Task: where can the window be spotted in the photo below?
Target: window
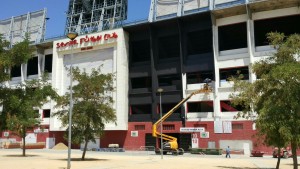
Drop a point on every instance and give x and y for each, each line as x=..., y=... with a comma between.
x=280, y=24
x=169, y=80
x=15, y=71
x=46, y=113
x=48, y=63
x=168, y=106
x=225, y=74
x=203, y=106
x=233, y=36
x=141, y=109
x=32, y=66
x=198, y=77
x=169, y=127
x=199, y=42
x=139, y=127
x=140, y=51
x=237, y=126
x=141, y=82
x=226, y=106
x=169, y=47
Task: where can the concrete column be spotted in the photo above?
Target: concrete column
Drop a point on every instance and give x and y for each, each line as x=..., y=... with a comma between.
x=217, y=113
x=152, y=11
x=184, y=88
x=250, y=41
x=180, y=7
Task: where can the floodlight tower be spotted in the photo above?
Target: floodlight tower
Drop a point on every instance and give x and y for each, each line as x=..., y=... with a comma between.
x=86, y=16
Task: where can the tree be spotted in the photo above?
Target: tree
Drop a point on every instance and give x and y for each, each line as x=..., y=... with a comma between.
x=5, y=61
x=19, y=101
x=275, y=96
x=21, y=104
x=92, y=97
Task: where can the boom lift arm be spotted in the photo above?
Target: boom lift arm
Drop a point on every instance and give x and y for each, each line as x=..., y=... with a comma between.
x=173, y=145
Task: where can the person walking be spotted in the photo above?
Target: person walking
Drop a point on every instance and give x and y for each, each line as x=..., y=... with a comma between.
x=228, y=152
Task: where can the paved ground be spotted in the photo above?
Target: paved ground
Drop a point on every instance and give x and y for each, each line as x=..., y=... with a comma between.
x=57, y=159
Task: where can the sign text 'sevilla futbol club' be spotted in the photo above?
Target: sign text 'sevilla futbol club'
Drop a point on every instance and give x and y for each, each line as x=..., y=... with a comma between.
x=86, y=39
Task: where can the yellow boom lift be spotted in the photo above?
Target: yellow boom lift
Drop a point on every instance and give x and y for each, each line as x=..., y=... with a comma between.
x=171, y=145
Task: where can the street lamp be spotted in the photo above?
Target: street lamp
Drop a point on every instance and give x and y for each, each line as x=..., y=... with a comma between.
x=161, y=126
x=71, y=36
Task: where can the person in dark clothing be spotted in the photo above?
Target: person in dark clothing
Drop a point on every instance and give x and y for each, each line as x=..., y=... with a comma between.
x=228, y=152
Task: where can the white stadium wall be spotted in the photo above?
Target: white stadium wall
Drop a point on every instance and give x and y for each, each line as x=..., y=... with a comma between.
x=106, y=48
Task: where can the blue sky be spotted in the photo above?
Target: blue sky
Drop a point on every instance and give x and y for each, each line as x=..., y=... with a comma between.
x=137, y=10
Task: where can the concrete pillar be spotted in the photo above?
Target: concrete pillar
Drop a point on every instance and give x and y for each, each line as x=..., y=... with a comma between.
x=217, y=113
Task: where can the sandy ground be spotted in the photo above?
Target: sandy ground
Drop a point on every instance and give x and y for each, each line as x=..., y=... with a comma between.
x=57, y=159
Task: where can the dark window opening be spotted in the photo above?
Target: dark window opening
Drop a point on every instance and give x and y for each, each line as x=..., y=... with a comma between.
x=168, y=106
x=139, y=127
x=168, y=127
x=141, y=109
x=203, y=106
x=233, y=36
x=48, y=63
x=237, y=126
x=46, y=113
x=141, y=82
x=140, y=51
x=199, y=42
x=199, y=77
x=169, y=47
x=287, y=25
x=227, y=106
x=16, y=71
x=241, y=72
x=169, y=80
x=32, y=66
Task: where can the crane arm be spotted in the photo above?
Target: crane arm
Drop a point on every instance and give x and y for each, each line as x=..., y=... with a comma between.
x=155, y=133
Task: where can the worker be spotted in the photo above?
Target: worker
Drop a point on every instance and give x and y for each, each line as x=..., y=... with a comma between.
x=228, y=152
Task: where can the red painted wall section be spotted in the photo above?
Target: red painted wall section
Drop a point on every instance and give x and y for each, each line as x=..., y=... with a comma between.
x=113, y=137
x=11, y=136
x=129, y=142
x=59, y=137
x=247, y=133
x=134, y=143
x=41, y=137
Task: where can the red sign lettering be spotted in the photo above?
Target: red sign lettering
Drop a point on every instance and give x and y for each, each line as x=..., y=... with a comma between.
x=87, y=39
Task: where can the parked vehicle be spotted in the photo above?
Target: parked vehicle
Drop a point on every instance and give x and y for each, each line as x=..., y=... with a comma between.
x=284, y=152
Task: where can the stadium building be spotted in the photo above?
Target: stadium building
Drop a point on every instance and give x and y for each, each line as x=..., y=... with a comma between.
x=182, y=43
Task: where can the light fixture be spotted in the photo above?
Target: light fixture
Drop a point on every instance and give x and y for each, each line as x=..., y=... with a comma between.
x=72, y=35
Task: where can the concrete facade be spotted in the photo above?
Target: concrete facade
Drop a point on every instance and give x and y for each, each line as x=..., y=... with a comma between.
x=117, y=54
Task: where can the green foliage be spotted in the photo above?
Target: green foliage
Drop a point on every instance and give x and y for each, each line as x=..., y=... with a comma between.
x=16, y=55
x=93, y=105
x=20, y=105
x=4, y=59
x=20, y=102
x=275, y=96
x=21, y=52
